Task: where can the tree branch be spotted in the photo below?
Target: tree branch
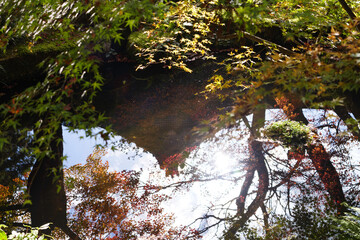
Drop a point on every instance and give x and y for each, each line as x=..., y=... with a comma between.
x=288, y=176
x=351, y=14
x=329, y=176
x=261, y=192
x=15, y=207
x=23, y=225
x=257, y=39
x=70, y=233
x=268, y=43
x=344, y=115
x=347, y=9
x=240, y=201
x=266, y=217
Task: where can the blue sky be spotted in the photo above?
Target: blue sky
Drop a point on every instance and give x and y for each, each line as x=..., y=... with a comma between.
x=77, y=149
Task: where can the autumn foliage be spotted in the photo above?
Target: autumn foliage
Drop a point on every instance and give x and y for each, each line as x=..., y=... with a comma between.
x=105, y=204
x=295, y=55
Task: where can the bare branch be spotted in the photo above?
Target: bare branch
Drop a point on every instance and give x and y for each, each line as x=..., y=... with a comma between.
x=288, y=176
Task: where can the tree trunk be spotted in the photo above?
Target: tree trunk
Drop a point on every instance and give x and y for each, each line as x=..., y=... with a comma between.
x=324, y=167
x=327, y=172
x=46, y=186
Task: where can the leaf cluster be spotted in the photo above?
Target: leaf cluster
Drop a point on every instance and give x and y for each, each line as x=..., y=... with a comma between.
x=32, y=234
x=74, y=35
x=182, y=32
x=349, y=224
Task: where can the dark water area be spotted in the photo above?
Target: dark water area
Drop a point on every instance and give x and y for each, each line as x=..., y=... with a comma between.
x=158, y=109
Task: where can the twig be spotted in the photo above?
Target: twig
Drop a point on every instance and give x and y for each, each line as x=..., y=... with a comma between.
x=268, y=43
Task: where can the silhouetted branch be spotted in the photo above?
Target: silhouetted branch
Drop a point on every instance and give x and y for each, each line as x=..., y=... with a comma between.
x=350, y=12
x=22, y=225
x=240, y=201
x=343, y=114
x=180, y=183
x=220, y=220
x=70, y=233
x=14, y=207
x=288, y=176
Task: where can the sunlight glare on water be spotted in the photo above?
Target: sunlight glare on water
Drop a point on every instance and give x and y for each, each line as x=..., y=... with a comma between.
x=223, y=163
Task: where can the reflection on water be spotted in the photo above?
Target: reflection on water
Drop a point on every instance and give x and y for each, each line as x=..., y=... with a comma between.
x=214, y=160
x=212, y=175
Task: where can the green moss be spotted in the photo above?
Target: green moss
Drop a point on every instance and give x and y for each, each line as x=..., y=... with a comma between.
x=48, y=47
x=45, y=47
x=291, y=133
